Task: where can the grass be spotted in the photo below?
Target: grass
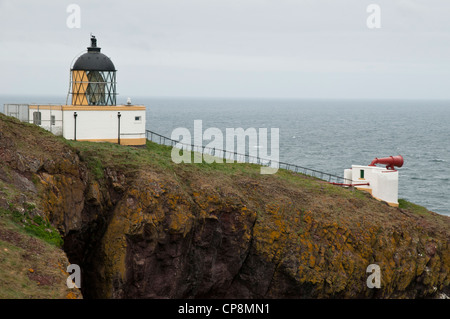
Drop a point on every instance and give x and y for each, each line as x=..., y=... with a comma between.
x=13, y=278
x=414, y=208
x=101, y=155
x=30, y=268
x=9, y=192
x=133, y=159
x=35, y=226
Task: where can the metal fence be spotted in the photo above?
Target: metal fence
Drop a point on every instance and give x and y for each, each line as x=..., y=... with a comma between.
x=19, y=111
x=246, y=158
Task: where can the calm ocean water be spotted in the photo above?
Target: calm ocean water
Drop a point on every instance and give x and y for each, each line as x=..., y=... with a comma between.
x=327, y=135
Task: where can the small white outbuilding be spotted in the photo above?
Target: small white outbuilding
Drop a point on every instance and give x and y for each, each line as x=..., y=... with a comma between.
x=381, y=183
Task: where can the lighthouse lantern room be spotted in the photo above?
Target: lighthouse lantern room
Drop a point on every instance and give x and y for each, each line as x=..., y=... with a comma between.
x=93, y=78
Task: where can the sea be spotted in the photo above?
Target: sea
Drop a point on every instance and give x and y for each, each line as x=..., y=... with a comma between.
x=325, y=135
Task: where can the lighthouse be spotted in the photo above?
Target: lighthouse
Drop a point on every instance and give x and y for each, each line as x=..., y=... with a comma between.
x=90, y=112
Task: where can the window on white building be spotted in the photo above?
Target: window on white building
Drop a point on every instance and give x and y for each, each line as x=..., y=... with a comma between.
x=37, y=118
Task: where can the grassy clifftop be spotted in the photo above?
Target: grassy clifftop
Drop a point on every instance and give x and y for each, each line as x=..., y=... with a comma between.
x=142, y=226
x=32, y=260
x=32, y=263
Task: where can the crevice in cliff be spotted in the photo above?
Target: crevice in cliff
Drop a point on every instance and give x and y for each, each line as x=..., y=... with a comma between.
x=250, y=247
x=82, y=244
x=81, y=247
x=269, y=286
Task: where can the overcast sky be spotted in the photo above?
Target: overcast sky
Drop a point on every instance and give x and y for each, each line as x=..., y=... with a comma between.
x=233, y=48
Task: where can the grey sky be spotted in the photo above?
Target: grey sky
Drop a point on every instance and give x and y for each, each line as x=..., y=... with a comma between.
x=234, y=48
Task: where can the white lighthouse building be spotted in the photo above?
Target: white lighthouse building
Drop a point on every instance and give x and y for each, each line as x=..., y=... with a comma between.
x=90, y=112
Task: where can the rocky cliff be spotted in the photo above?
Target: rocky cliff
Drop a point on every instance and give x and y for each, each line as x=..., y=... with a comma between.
x=141, y=226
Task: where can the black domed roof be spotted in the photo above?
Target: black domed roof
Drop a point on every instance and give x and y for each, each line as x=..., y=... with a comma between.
x=93, y=60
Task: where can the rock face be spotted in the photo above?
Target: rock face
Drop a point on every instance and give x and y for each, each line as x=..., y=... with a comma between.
x=166, y=242
x=161, y=230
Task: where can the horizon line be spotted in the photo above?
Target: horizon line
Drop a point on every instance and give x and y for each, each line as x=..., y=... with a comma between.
x=176, y=97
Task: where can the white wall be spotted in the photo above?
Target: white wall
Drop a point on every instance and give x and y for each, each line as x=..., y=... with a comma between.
x=383, y=182
x=348, y=176
x=93, y=123
x=386, y=186
x=369, y=175
x=46, y=113
x=103, y=125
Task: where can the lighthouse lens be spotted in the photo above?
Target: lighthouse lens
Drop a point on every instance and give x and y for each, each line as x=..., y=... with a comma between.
x=96, y=89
